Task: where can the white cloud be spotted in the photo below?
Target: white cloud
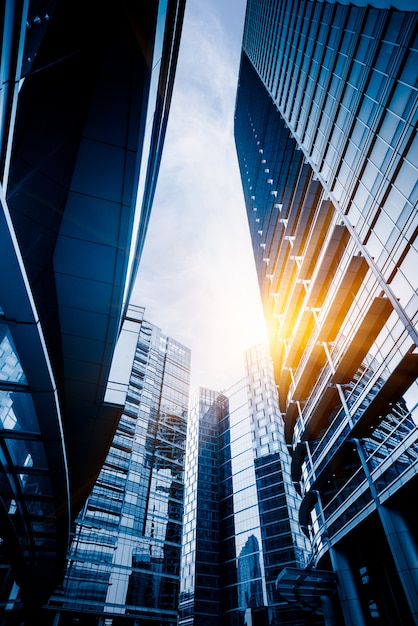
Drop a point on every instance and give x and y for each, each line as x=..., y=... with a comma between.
x=197, y=277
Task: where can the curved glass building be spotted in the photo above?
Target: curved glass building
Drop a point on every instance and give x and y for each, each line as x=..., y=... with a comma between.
x=325, y=128
x=85, y=91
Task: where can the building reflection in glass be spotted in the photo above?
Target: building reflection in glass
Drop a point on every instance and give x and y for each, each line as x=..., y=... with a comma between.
x=125, y=554
x=249, y=575
x=241, y=509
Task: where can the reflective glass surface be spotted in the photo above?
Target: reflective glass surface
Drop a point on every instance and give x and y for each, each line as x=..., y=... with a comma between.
x=125, y=555
x=325, y=128
x=241, y=509
x=10, y=366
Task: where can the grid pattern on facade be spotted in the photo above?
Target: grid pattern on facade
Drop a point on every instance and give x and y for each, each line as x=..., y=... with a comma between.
x=241, y=508
x=331, y=100
x=124, y=558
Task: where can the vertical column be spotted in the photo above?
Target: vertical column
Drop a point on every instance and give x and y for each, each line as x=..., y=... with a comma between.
x=56, y=618
x=347, y=590
x=346, y=585
x=404, y=552
x=400, y=541
x=329, y=612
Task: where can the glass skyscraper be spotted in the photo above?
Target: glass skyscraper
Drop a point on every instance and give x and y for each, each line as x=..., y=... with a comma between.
x=123, y=565
x=207, y=492
x=325, y=129
x=241, y=509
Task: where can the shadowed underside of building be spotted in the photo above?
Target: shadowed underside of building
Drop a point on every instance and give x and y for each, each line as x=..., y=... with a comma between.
x=85, y=95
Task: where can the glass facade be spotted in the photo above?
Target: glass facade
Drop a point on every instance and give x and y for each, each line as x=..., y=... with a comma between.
x=82, y=129
x=241, y=509
x=267, y=534
x=325, y=128
x=124, y=559
x=34, y=482
x=207, y=501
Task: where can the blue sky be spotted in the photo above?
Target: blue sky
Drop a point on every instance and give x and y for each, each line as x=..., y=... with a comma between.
x=197, y=278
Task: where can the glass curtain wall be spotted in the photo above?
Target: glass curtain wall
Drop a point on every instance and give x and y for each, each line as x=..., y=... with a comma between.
x=124, y=560
x=241, y=509
x=325, y=128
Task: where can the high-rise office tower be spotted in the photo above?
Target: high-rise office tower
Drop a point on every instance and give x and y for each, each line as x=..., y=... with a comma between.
x=85, y=92
x=123, y=565
x=325, y=128
x=240, y=514
x=207, y=492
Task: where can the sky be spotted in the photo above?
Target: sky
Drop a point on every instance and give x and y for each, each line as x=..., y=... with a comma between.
x=197, y=278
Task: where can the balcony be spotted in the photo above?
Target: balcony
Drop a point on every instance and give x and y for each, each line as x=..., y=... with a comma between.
x=343, y=298
x=319, y=417
x=391, y=391
x=284, y=381
x=299, y=191
x=293, y=309
x=301, y=339
x=286, y=285
x=306, y=506
x=332, y=257
x=306, y=216
x=310, y=372
x=316, y=241
x=335, y=479
x=366, y=334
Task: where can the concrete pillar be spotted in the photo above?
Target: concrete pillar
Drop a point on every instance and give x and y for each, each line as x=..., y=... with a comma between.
x=329, y=612
x=404, y=552
x=400, y=540
x=346, y=586
x=347, y=590
x=56, y=618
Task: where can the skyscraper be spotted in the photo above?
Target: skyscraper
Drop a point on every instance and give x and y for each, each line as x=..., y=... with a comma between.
x=207, y=493
x=85, y=93
x=325, y=128
x=240, y=514
x=123, y=565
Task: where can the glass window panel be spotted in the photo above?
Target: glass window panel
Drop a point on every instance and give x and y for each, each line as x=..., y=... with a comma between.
x=402, y=287
x=384, y=57
x=381, y=154
x=408, y=267
x=10, y=366
x=359, y=133
x=27, y=453
x=17, y=412
x=367, y=110
x=407, y=181
x=36, y=485
x=413, y=153
x=363, y=48
x=409, y=72
x=355, y=73
x=395, y=26
x=402, y=100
